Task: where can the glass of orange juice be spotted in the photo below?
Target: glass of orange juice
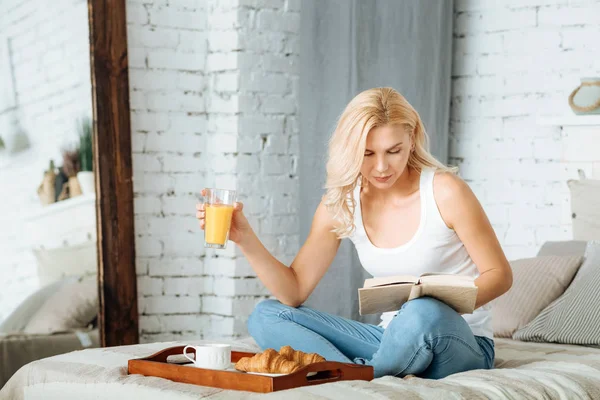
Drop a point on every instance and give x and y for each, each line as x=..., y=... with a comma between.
x=218, y=208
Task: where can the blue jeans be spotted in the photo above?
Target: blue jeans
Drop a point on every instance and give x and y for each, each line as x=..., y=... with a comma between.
x=426, y=338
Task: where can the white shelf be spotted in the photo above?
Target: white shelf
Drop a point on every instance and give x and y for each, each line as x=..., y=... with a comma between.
x=569, y=120
x=63, y=205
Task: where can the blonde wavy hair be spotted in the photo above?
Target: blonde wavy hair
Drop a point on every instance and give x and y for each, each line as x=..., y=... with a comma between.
x=369, y=109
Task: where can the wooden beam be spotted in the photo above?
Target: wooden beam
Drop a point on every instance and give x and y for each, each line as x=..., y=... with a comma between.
x=118, y=313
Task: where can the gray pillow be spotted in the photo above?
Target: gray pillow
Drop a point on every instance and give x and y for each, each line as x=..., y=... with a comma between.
x=537, y=282
x=73, y=306
x=19, y=318
x=573, y=318
x=563, y=248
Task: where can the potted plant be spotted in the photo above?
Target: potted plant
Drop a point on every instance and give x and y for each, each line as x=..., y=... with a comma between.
x=85, y=176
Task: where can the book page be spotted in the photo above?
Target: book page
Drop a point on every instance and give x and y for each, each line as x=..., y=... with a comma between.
x=390, y=280
x=383, y=298
x=447, y=279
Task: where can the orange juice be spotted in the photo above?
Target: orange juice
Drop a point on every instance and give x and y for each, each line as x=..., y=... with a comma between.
x=218, y=221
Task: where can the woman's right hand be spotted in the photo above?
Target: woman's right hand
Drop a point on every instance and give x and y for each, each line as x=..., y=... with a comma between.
x=240, y=227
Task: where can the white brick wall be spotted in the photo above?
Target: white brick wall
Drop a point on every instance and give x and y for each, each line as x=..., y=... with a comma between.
x=214, y=103
x=514, y=60
x=50, y=58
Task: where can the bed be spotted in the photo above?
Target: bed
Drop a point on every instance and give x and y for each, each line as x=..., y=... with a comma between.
x=59, y=317
x=19, y=349
x=523, y=370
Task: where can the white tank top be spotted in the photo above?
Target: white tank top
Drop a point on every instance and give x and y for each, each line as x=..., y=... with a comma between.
x=433, y=248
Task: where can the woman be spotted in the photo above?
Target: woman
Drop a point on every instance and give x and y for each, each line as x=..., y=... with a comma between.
x=406, y=213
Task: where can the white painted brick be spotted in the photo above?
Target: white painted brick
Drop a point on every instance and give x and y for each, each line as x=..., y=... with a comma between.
x=519, y=252
x=182, y=337
x=520, y=236
x=275, y=164
x=220, y=266
x=265, y=83
x=224, y=104
x=524, y=41
x=243, y=306
x=579, y=38
x=277, y=4
x=146, y=121
x=273, y=104
x=283, y=204
x=175, y=267
x=187, y=244
x=222, y=143
x=478, y=86
x=223, y=124
x=280, y=22
x=136, y=58
x=226, y=286
x=147, y=205
x=184, y=323
x=226, y=181
x=149, y=286
x=185, y=124
x=180, y=162
x=152, y=37
x=147, y=162
x=178, y=19
x=228, y=82
x=195, y=133
x=164, y=142
x=552, y=233
x=273, y=42
x=224, y=20
x=219, y=305
x=249, y=164
x=169, y=304
x=216, y=62
x=193, y=42
x=150, y=323
x=184, y=286
x=176, y=60
x=292, y=5
x=136, y=14
x=179, y=205
x=571, y=15
x=279, y=225
x=223, y=41
x=487, y=43
x=581, y=144
x=547, y=148
x=147, y=246
x=193, y=81
x=189, y=182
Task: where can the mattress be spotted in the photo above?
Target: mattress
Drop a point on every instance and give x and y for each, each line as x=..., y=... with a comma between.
x=522, y=371
x=19, y=349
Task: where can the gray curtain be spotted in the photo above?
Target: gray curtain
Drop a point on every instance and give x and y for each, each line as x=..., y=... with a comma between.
x=348, y=46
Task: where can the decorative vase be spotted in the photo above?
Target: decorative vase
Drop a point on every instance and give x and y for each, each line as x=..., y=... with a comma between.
x=74, y=187
x=585, y=99
x=46, y=190
x=86, y=182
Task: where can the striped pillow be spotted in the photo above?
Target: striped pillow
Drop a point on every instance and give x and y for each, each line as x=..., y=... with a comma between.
x=573, y=318
x=537, y=282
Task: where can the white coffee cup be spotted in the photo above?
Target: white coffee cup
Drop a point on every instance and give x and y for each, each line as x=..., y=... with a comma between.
x=210, y=356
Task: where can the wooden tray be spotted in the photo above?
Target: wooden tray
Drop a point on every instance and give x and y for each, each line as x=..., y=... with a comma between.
x=323, y=372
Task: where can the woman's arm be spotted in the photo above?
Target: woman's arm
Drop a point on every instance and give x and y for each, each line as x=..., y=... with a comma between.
x=293, y=285
x=462, y=212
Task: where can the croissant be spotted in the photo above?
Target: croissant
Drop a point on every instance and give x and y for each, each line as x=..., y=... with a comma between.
x=268, y=361
x=300, y=357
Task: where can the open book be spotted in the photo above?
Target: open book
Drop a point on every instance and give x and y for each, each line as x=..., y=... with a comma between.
x=388, y=294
